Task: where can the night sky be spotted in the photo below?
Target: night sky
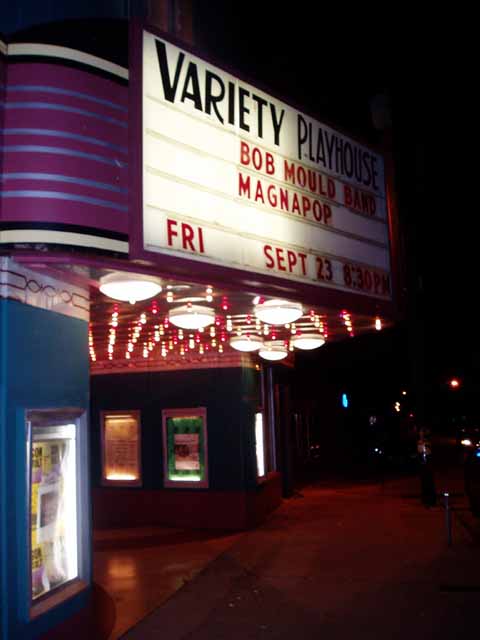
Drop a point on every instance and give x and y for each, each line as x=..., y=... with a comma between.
x=331, y=60
x=332, y=65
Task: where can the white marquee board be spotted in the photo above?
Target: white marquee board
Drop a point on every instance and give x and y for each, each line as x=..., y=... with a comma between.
x=237, y=178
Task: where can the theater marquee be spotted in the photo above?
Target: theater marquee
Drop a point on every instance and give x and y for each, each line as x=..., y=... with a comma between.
x=236, y=178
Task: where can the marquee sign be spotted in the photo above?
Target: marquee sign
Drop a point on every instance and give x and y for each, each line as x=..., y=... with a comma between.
x=236, y=178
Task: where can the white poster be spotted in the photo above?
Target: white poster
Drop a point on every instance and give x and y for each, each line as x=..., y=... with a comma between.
x=187, y=454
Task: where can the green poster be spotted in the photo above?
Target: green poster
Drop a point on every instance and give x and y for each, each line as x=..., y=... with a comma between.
x=186, y=448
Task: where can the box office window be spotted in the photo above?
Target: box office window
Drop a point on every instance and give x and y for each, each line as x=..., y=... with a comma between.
x=185, y=447
x=121, y=448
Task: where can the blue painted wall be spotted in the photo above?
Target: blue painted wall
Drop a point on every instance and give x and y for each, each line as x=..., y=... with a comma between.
x=43, y=364
x=231, y=397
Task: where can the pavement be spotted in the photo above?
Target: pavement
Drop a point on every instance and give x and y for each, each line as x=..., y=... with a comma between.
x=136, y=570
x=336, y=560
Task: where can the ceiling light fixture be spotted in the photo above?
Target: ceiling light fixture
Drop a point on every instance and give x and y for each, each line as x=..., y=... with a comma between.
x=278, y=311
x=246, y=342
x=191, y=316
x=307, y=341
x=273, y=351
x=129, y=287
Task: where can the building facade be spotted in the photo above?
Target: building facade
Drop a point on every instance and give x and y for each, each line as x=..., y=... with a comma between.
x=261, y=231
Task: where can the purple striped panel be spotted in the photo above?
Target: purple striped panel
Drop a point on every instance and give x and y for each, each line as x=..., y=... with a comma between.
x=67, y=78
x=105, y=154
x=16, y=162
x=3, y=74
x=102, y=151
x=63, y=211
x=57, y=101
x=89, y=191
x=3, y=68
x=69, y=122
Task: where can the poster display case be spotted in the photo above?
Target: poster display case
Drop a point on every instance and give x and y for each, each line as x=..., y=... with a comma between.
x=121, y=448
x=54, y=494
x=185, y=447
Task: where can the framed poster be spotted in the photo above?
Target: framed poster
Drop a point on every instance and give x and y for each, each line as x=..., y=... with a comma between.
x=121, y=446
x=185, y=447
x=57, y=525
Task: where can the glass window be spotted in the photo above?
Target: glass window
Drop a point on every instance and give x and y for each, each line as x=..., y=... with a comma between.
x=53, y=507
x=121, y=445
x=185, y=447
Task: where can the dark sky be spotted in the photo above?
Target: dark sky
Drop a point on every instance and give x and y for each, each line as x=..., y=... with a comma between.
x=311, y=53
x=333, y=60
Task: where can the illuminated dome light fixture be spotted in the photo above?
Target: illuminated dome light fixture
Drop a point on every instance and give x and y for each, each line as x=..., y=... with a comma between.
x=191, y=316
x=307, y=341
x=129, y=287
x=278, y=311
x=273, y=350
x=246, y=342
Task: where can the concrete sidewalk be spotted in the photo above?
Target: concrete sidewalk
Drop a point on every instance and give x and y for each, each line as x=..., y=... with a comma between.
x=350, y=561
x=136, y=570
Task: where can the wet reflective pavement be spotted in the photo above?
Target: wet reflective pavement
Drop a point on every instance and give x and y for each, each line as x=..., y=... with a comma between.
x=343, y=561
x=140, y=569
x=357, y=559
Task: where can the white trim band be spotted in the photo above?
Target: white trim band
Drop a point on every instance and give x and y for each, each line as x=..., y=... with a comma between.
x=53, y=51
x=62, y=237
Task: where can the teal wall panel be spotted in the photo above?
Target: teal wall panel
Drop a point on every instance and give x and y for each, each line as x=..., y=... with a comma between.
x=43, y=364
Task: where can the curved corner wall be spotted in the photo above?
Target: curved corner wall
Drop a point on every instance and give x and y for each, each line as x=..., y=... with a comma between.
x=65, y=149
x=43, y=367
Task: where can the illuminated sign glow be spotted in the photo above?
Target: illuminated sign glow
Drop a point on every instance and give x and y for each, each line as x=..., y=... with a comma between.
x=236, y=178
x=259, y=447
x=121, y=445
x=53, y=505
x=122, y=476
